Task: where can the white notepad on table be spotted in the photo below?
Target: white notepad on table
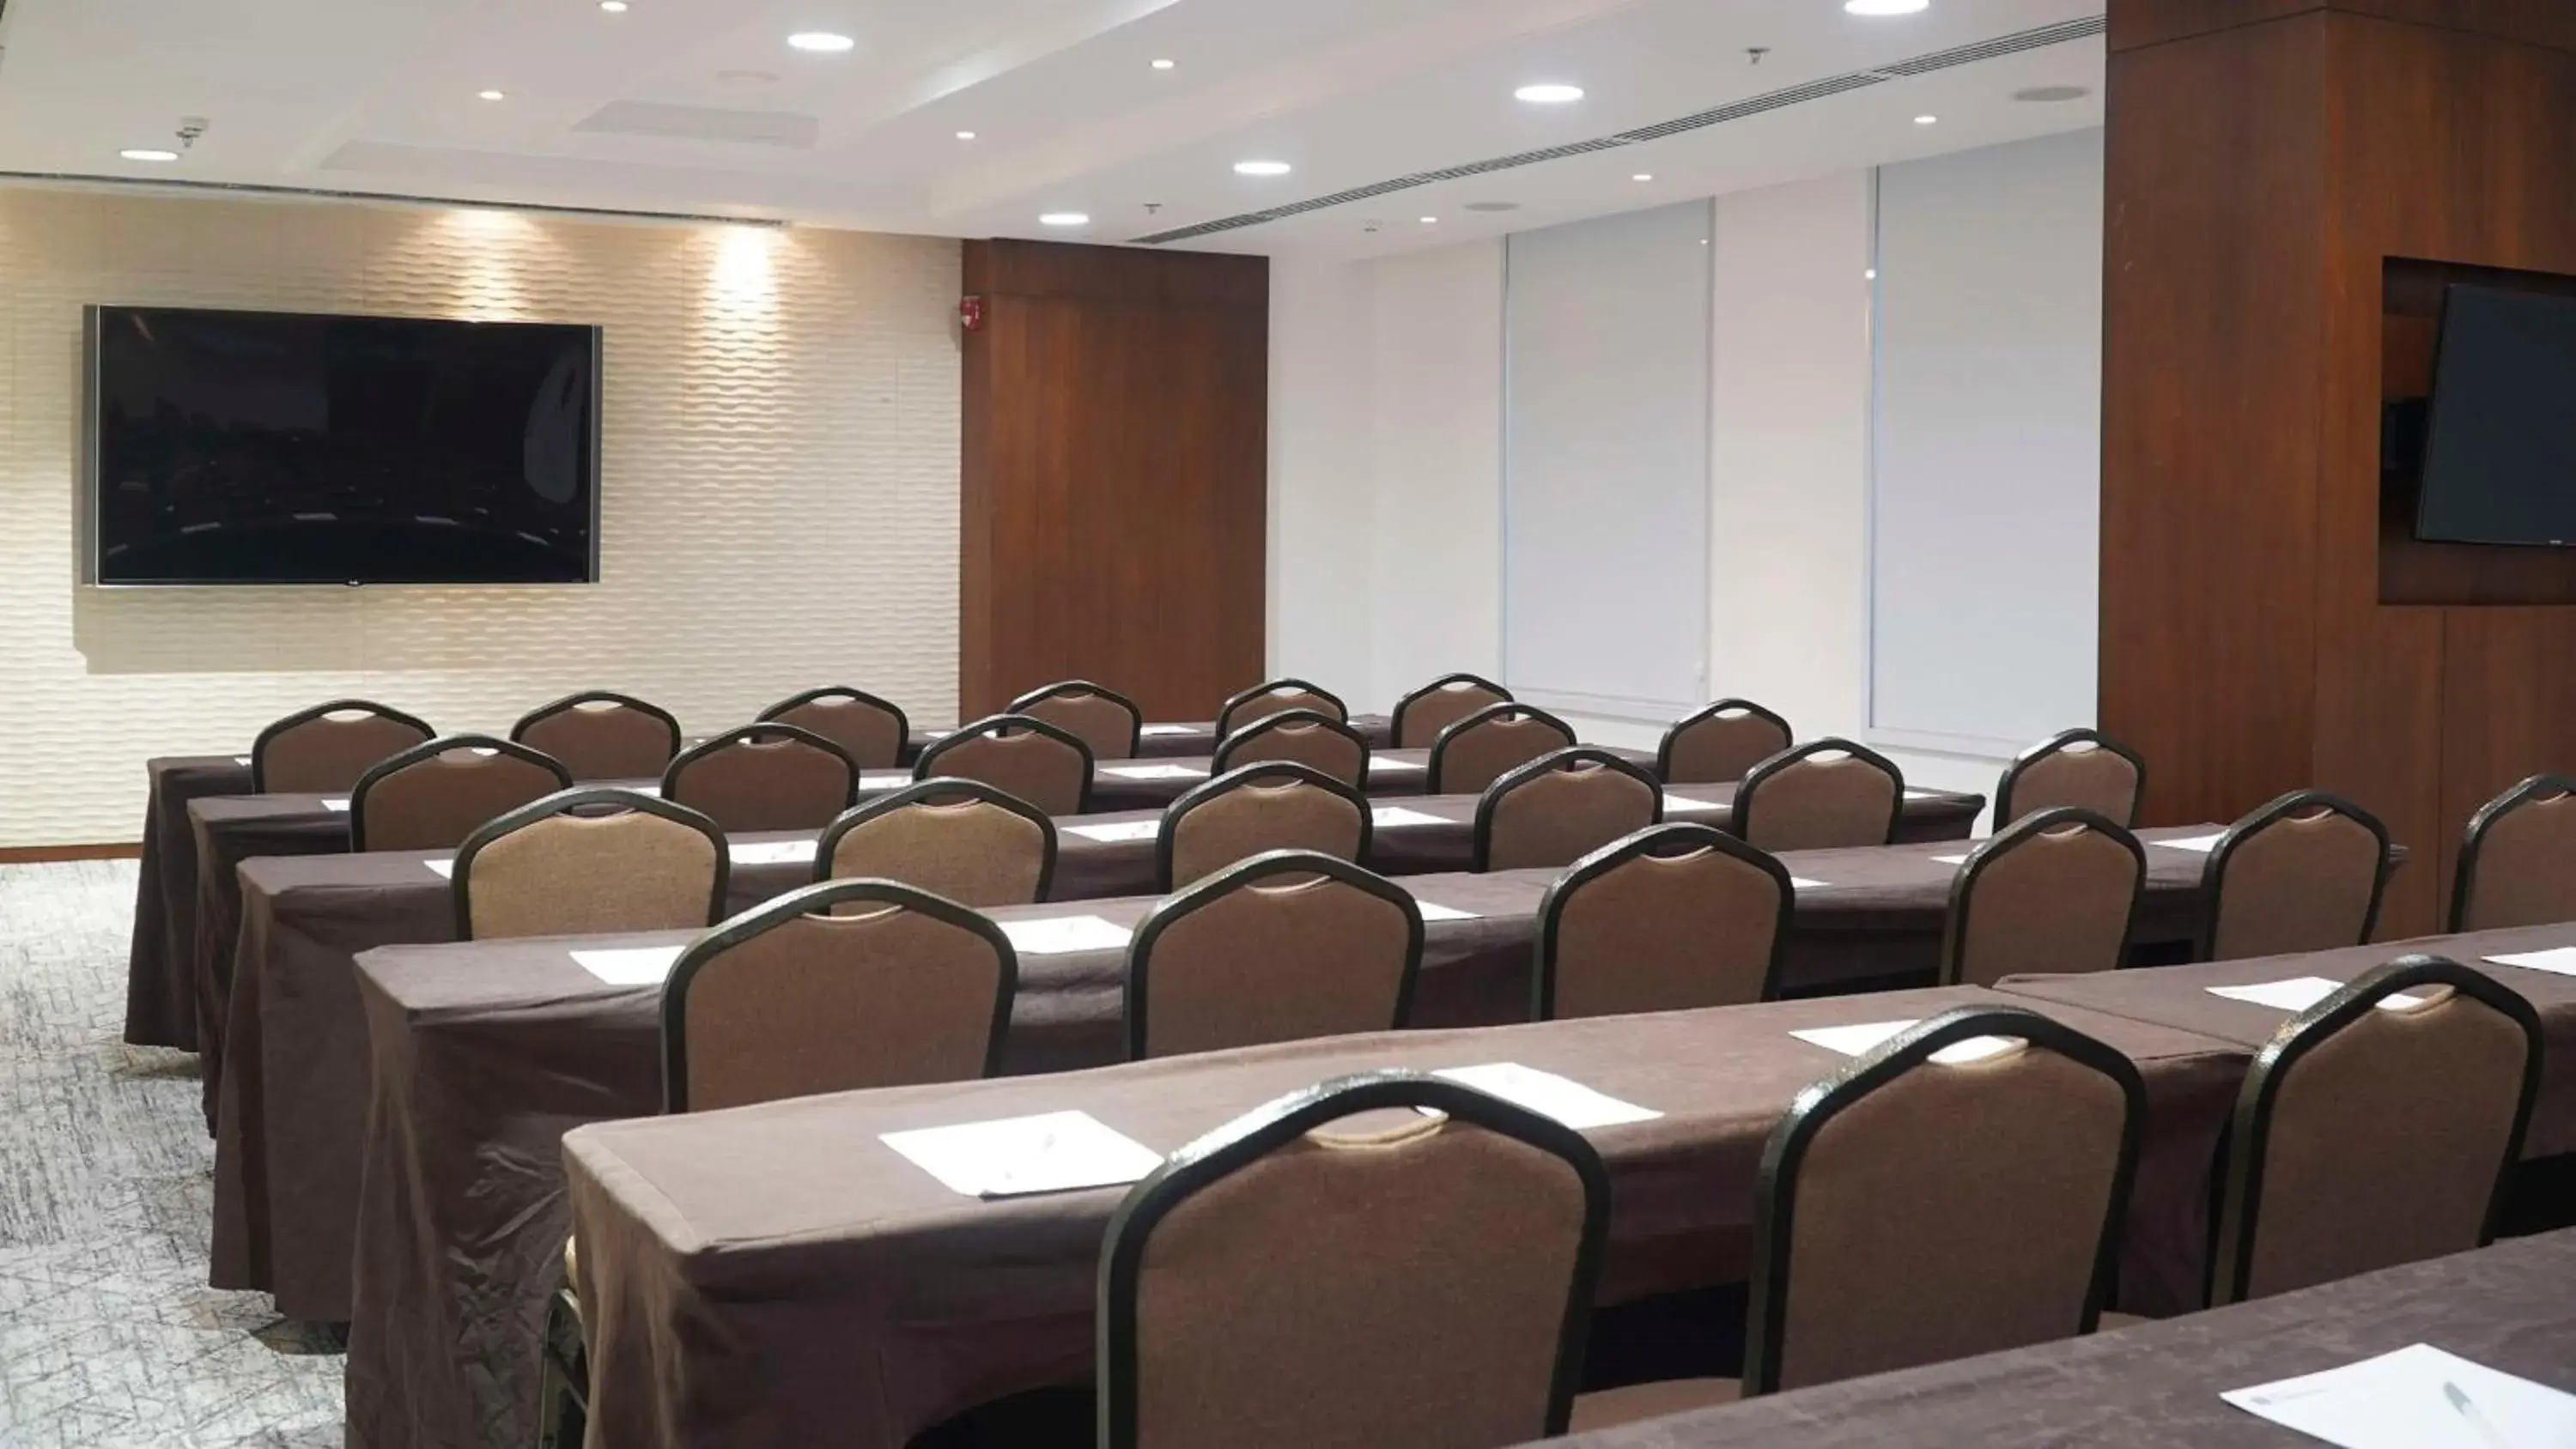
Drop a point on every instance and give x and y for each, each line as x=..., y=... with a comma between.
x=1170, y=729
x=1674, y=802
x=1118, y=830
x=1381, y=765
x=2416, y=1398
x=2560, y=961
x=242, y=760
x=1801, y=883
x=1059, y=935
x=337, y=806
x=633, y=966
x=1434, y=911
x=1865, y=1037
x=884, y=779
x=1019, y=1156
x=2198, y=844
x=444, y=868
x=1549, y=1095
x=1154, y=772
x=1395, y=816
x=773, y=852
x=2301, y=992
x=1949, y=860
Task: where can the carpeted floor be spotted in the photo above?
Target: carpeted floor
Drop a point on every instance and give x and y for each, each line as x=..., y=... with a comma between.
x=109, y=1336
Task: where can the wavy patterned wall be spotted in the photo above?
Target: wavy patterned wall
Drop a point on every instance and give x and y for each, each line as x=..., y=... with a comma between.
x=780, y=485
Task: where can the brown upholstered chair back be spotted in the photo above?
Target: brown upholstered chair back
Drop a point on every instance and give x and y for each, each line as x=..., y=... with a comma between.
x=1423, y=714
x=873, y=730
x=1259, y=808
x=1281, y=947
x=1823, y=795
x=960, y=839
x=1912, y=1210
x=838, y=987
x=2518, y=863
x=2054, y=894
x=772, y=776
x=2368, y=1136
x=1298, y=736
x=2304, y=873
x=323, y=750
x=1489, y=744
x=1720, y=743
x=603, y=736
x=1279, y=696
x=1103, y=719
x=1561, y=807
x=2082, y=768
x=1421, y=1281
x=545, y=870
x=431, y=796
x=1669, y=919
x=1030, y=758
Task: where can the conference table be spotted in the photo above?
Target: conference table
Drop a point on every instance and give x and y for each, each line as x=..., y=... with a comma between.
x=480, y=1055
x=777, y=1276
x=2157, y=1385
x=161, y=1006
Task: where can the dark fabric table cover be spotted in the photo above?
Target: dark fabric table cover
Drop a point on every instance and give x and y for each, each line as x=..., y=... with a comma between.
x=776, y=1276
x=2179, y=996
x=483, y=1054
x=2511, y=1307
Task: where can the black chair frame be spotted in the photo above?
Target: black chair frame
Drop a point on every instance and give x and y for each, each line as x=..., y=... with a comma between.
x=566, y=802
x=260, y=743
x=1664, y=750
x=546, y=712
x=1749, y=788
x=794, y=702
x=1260, y=772
x=2464, y=878
x=430, y=750
x=755, y=733
x=939, y=790
x=1657, y=840
x=1963, y=886
x=2213, y=873
x=1505, y=709
x=1225, y=712
x=2057, y=744
x=1395, y=725
x=1076, y=689
x=1548, y=764
x=1228, y=746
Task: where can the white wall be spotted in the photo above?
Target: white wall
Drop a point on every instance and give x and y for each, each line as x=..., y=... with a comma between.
x=1322, y=480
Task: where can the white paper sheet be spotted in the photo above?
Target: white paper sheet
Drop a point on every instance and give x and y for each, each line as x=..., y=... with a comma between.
x=2198, y=844
x=2301, y=992
x=1057, y=935
x=1433, y=911
x=1923, y=794
x=1120, y=830
x=1382, y=765
x=1673, y=802
x=1389, y=817
x=1949, y=860
x=774, y=852
x=2416, y=1398
x=1170, y=729
x=884, y=779
x=1154, y=772
x=1866, y=1037
x=1020, y=1156
x=2560, y=961
x=1550, y=1095
x=637, y=966
x=444, y=869
x=336, y=806
x=242, y=760
x=1801, y=883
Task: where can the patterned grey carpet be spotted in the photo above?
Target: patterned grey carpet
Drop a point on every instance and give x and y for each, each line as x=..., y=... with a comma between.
x=109, y=1336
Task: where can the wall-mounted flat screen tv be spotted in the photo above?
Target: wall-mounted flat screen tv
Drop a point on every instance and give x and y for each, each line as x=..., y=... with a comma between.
x=273, y=448
x=2500, y=460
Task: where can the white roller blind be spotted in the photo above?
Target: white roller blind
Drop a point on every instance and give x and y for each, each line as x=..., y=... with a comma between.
x=1606, y=436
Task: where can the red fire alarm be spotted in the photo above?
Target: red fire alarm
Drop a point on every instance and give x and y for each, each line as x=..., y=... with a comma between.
x=971, y=313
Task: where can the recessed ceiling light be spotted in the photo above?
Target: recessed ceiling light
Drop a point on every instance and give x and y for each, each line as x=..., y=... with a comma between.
x=1643, y=176
x=613, y=7
x=149, y=153
x=965, y=135
x=1927, y=120
x=1262, y=168
x=821, y=42
x=1550, y=93
x=1064, y=218
x=1165, y=64
x=1431, y=221
x=1887, y=7
x=491, y=95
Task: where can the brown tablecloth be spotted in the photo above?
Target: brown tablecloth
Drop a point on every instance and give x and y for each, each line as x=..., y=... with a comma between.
x=484, y=1053
x=160, y=984
x=777, y=1276
x=2510, y=1307
x=2179, y=996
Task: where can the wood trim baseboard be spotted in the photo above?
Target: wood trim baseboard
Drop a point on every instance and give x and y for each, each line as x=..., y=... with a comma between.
x=41, y=854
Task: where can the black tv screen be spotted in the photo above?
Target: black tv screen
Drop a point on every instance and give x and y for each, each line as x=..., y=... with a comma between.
x=2500, y=461
x=273, y=448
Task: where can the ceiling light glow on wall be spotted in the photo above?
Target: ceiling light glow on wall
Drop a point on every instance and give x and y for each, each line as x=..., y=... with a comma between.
x=1550, y=93
x=490, y=96
x=1065, y=218
x=1927, y=120
x=1261, y=168
x=1165, y=64
x=1643, y=176
x=149, y=153
x=821, y=42
x=1887, y=7
x=613, y=7
x=1431, y=221
x=965, y=135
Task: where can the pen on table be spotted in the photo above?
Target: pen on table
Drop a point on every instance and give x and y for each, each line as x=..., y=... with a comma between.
x=2469, y=1411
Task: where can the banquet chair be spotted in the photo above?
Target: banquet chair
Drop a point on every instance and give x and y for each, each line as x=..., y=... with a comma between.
x=962, y=839
x=600, y=735
x=1302, y=736
x=1423, y=714
x=2055, y=893
x=1560, y=807
x=1673, y=918
x=1287, y=945
x=431, y=796
x=587, y=861
x=1483, y=746
x=2303, y=873
x=1387, y=1259
x=323, y=750
x=1718, y=744
x=771, y=776
x=2084, y=768
x=1823, y=795
x=1277, y=697
x=2378, y=1127
x=1103, y=719
x=1040, y=763
x=873, y=730
x=1243, y=813
x=2518, y=860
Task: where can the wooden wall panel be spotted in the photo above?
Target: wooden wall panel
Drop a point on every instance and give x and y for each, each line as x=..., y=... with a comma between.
x=1116, y=490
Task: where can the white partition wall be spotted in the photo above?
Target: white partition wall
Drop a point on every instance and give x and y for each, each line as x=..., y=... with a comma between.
x=1606, y=437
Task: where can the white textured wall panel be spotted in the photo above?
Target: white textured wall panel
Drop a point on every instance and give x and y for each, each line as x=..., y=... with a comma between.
x=779, y=485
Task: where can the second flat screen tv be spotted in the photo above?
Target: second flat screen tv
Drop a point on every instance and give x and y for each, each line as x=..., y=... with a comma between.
x=2500, y=464
x=273, y=448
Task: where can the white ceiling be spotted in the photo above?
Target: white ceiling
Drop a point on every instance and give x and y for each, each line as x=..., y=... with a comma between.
x=1069, y=115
